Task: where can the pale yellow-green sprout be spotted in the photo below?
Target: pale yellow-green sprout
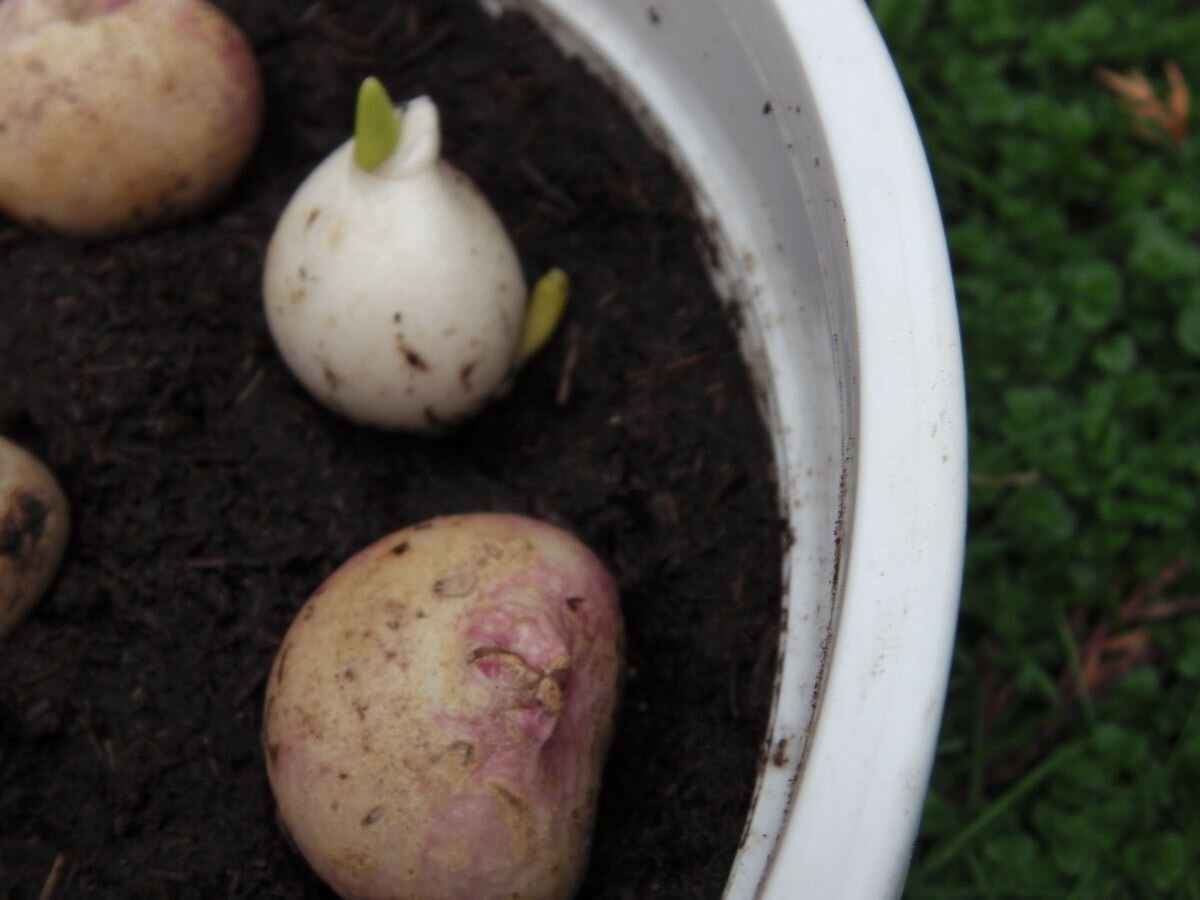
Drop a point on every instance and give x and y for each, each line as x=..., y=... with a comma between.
x=546, y=306
x=376, y=126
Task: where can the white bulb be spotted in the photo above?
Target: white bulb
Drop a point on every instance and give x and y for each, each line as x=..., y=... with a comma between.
x=395, y=296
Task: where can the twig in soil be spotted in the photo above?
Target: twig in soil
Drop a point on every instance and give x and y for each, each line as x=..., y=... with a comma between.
x=676, y=365
x=563, y=394
x=667, y=508
x=52, y=667
x=765, y=662
x=738, y=585
x=102, y=748
x=251, y=687
x=168, y=875
x=207, y=562
x=388, y=21
x=311, y=13
x=735, y=712
x=110, y=754
x=727, y=478
x=544, y=186
x=428, y=45
x=249, y=389
x=716, y=393
x=132, y=365
x=361, y=41
x=53, y=878
x=253, y=245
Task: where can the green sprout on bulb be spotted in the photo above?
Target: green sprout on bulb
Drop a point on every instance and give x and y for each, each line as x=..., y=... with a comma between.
x=377, y=133
x=376, y=126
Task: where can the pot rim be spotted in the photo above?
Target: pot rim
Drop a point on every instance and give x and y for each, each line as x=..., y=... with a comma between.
x=856, y=808
x=861, y=681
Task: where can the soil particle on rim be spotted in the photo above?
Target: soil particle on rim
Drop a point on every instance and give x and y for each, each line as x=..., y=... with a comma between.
x=211, y=494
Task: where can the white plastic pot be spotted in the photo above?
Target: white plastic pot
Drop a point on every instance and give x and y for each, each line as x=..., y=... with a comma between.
x=789, y=119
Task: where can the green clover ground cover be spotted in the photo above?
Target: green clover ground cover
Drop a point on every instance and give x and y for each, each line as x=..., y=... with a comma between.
x=1069, y=762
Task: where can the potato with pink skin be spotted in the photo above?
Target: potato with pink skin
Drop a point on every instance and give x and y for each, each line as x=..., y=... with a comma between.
x=34, y=522
x=117, y=115
x=438, y=715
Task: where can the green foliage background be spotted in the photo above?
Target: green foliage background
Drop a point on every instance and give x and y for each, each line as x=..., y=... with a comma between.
x=1076, y=249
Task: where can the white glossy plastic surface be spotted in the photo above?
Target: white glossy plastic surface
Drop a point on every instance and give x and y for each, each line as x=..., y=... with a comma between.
x=788, y=117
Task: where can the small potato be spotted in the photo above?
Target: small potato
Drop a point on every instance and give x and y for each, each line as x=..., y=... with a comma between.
x=438, y=715
x=33, y=532
x=117, y=115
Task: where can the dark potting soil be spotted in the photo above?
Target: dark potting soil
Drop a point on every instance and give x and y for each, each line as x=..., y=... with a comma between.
x=211, y=495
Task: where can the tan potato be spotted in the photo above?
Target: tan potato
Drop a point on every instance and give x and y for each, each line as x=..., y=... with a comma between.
x=33, y=532
x=117, y=115
x=437, y=718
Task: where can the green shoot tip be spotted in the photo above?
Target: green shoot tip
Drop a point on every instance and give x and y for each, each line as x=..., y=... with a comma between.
x=546, y=305
x=376, y=126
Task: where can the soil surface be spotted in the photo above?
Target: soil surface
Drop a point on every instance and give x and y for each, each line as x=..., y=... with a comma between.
x=211, y=495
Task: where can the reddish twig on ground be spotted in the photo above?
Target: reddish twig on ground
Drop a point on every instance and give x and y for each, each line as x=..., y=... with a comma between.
x=1112, y=649
x=1152, y=117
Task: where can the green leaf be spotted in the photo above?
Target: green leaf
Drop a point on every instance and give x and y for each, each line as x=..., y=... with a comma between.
x=1182, y=205
x=995, y=22
x=901, y=20
x=1187, y=663
x=1160, y=254
x=376, y=126
x=1072, y=837
x=1094, y=290
x=1187, y=329
x=1186, y=757
x=1159, y=861
x=1136, y=178
x=1031, y=407
x=1074, y=123
x=1120, y=747
x=1141, y=686
x=1092, y=26
x=1016, y=858
x=1039, y=512
x=1032, y=312
x=973, y=243
x=1117, y=355
x=939, y=817
x=1143, y=390
x=1090, y=774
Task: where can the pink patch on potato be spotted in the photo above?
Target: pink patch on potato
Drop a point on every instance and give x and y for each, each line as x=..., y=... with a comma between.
x=438, y=715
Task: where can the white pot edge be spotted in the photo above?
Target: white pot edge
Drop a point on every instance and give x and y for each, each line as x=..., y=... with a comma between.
x=885, y=683
x=836, y=817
